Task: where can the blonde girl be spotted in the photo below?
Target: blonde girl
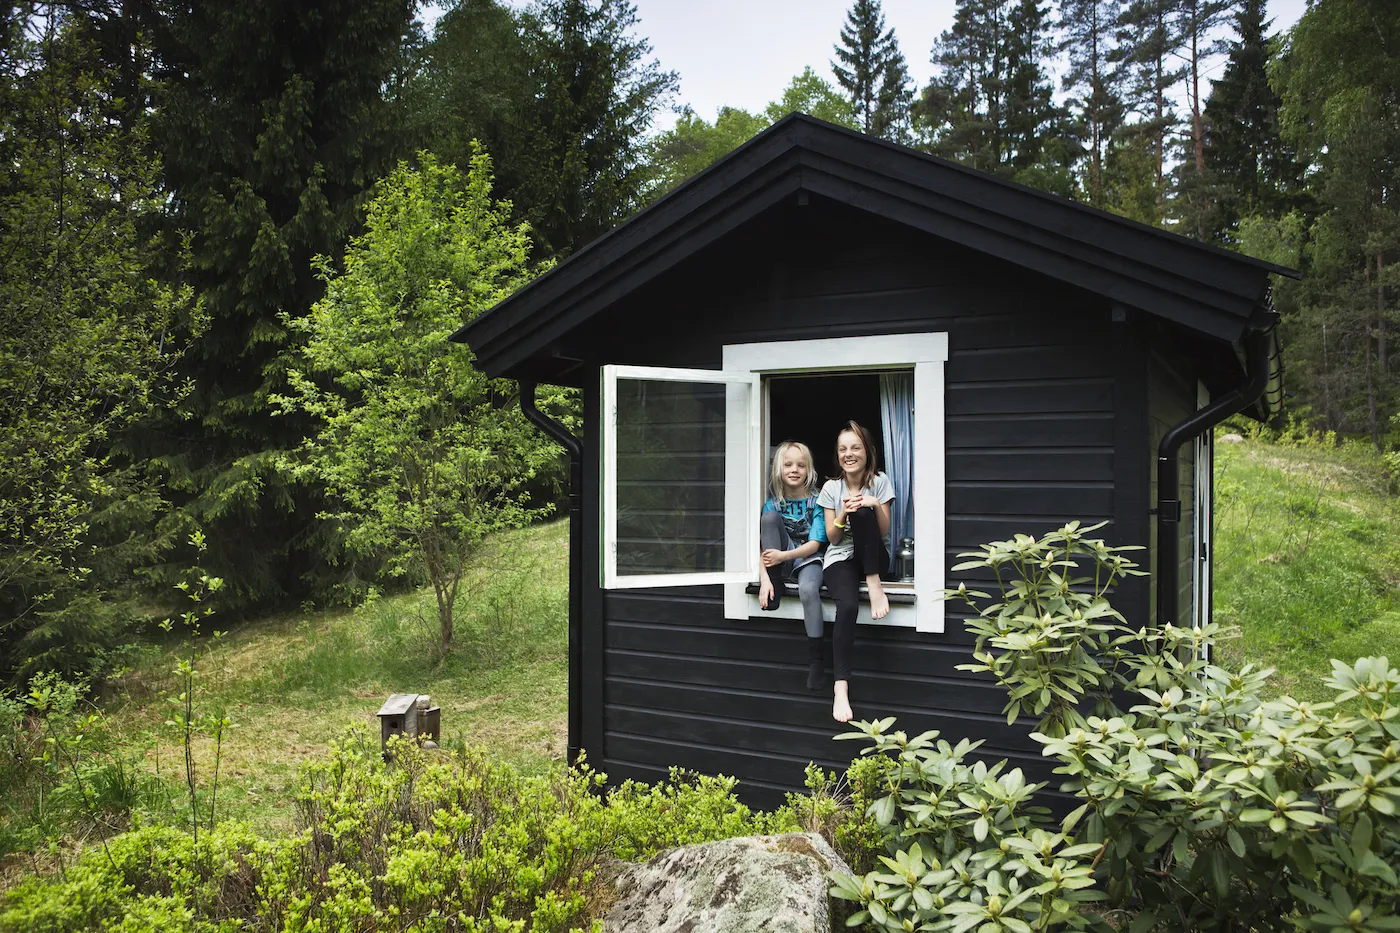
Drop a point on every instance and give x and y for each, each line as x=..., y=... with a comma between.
x=791, y=537
x=856, y=510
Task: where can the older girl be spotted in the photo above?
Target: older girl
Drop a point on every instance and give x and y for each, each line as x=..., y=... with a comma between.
x=856, y=511
x=791, y=536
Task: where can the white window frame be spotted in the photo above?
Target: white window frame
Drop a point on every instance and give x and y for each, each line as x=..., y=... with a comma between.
x=926, y=354
x=741, y=503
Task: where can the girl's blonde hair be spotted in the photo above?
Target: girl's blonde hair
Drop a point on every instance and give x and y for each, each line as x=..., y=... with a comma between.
x=775, y=477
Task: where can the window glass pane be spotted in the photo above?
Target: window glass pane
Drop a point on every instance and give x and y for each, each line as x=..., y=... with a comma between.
x=674, y=441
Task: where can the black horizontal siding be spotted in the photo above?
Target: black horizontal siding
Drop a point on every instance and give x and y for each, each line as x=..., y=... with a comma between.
x=1032, y=388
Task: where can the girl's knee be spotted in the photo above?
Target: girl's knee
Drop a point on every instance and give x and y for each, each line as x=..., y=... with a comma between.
x=770, y=521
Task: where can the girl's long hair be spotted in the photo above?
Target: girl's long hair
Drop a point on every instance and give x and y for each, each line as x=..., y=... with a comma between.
x=867, y=440
x=775, y=476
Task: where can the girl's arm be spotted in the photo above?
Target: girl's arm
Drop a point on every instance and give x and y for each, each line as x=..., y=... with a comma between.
x=834, y=532
x=772, y=557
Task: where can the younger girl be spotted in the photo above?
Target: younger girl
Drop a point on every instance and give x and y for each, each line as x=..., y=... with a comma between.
x=856, y=511
x=791, y=536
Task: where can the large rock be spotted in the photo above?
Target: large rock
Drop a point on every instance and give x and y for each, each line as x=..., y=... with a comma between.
x=753, y=884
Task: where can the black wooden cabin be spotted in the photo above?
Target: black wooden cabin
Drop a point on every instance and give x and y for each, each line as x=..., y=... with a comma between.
x=1060, y=360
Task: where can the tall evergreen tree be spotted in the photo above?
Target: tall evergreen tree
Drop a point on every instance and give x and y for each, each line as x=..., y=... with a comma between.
x=1198, y=23
x=1257, y=172
x=272, y=125
x=85, y=353
x=1148, y=45
x=562, y=95
x=991, y=105
x=1039, y=140
x=873, y=73
x=1094, y=80
x=1340, y=86
x=595, y=91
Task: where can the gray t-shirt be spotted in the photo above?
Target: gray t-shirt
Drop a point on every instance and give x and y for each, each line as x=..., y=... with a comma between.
x=829, y=499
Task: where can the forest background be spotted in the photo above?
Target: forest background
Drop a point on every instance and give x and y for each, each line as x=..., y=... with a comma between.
x=187, y=211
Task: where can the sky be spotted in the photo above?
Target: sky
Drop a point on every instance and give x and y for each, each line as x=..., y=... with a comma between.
x=742, y=53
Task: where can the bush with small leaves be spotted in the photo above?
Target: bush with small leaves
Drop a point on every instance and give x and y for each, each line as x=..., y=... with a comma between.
x=431, y=841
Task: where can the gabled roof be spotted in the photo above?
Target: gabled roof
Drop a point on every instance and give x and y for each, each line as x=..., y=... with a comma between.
x=1201, y=287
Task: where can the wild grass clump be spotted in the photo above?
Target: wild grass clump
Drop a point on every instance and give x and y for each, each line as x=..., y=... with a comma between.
x=430, y=840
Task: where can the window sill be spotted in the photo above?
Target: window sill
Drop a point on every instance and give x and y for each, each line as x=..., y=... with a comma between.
x=899, y=594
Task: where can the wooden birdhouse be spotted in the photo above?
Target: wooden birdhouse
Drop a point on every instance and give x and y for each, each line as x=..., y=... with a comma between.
x=398, y=716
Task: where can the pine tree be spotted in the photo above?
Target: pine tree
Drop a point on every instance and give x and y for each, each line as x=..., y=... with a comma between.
x=873, y=73
x=272, y=125
x=1037, y=133
x=1257, y=172
x=1148, y=45
x=991, y=105
x=1094, y=80
x=962, y=108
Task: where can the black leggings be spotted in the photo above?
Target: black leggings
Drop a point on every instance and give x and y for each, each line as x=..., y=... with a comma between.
x=843, y=580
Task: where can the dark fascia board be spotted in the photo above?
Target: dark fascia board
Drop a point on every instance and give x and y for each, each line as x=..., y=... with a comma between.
x=1197, y=285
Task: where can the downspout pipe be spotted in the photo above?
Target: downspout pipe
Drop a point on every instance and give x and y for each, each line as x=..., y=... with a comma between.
x=558, y=433
x=1257, y=346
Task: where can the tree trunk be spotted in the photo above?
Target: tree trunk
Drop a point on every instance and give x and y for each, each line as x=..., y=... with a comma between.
x=1095, y=113
x=1198, y=134
x=1380, y=316
x=1371, y=395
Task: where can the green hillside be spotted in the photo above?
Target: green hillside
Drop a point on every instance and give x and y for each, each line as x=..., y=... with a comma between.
x=1307, y=557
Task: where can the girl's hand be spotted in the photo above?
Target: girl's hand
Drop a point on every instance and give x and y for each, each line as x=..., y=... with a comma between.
x=854, y=502
x=765, y=591
x=773, y=557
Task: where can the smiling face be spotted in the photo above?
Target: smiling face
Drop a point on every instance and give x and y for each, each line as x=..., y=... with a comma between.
x=851, y=454
x=794, y=470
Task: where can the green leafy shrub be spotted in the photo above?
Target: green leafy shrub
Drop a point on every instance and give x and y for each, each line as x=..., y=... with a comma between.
x=431, y=841
x=65, y=773
x=963, y=845
x=1204, y=806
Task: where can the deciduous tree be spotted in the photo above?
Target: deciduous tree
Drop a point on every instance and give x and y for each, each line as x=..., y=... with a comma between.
x=420, y=454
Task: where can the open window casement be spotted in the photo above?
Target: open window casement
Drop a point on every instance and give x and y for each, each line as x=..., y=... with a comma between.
x=680, y=451
x=684, y=464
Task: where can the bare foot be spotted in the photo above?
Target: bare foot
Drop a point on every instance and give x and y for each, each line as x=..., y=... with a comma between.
x=879, y=602
x=841, y=706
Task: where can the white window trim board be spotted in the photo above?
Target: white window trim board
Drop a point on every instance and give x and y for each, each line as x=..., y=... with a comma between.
x=926, y=354
x=741, y=505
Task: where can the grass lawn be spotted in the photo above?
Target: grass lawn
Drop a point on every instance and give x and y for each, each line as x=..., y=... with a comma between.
x=291, y=684
x=1307, y=558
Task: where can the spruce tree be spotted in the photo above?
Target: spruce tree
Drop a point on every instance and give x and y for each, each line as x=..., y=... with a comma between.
x=1256, y=170
x=873, y=73
x=594, y=92
x=562, y=95
x=272, y=124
